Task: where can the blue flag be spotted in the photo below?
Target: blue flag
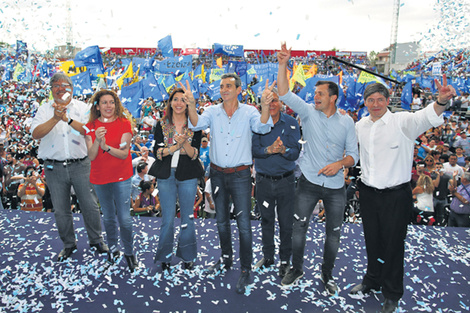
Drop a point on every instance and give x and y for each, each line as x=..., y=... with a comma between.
x=21, y=47
x=173, y=65
x=231, y=50
x=406, y=96
x=166, y=45
x=89, y=57
x=82, y=84
x=132, y=97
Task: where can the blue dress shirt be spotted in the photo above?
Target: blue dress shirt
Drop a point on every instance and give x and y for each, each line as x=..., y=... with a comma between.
x=231, y=137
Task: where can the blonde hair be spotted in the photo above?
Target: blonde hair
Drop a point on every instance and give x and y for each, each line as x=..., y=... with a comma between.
x=425, y=182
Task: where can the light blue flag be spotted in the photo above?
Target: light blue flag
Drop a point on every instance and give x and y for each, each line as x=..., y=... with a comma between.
x=231, y=50
x=82, y=84
x=132, y=97
x=406, y=96
x=89, y=57
x=166, y=45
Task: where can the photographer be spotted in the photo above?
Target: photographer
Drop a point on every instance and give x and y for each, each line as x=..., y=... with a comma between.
x=31, y=191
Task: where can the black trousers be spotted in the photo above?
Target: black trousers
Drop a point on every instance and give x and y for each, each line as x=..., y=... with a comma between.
x=385, y=217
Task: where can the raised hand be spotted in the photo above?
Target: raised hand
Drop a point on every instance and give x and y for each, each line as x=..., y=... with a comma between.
x=446, y=92
x=267, y=96
x=284, y=54
x=188, y=96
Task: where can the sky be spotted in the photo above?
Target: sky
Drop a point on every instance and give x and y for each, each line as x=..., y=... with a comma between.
x=346, y=25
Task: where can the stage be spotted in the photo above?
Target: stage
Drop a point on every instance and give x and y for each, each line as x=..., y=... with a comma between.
x=436, y=273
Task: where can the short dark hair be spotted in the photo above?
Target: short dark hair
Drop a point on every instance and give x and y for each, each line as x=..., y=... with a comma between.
x=238, y=81
x=145, y=185
x=376, y=87
x=333, y=89
x=141, y=166
x=29, y=167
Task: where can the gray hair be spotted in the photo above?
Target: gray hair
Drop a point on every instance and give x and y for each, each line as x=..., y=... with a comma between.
x=60, y=76
x=376, y=87
x=238, y=81
x=466, y=176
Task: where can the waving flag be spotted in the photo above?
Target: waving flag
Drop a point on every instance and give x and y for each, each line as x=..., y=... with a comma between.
x=89, y=57
x=406, y=96
x=132, y=97
x=166, y=45
x=231, y=50
x=82, y=84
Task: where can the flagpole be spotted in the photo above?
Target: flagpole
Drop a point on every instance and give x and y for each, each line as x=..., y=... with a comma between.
x=366, y=70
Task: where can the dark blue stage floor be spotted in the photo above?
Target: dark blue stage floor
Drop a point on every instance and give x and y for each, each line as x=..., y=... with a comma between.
x=437, y=273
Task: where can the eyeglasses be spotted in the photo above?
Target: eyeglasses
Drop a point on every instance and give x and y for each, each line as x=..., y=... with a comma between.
x=64, y=85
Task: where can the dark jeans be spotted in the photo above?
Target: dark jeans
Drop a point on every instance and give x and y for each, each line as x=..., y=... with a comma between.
x=238, y=186
x=439, y=209
x=385, y=217
x=276, y=196
x=459, y=220
x=306, y=197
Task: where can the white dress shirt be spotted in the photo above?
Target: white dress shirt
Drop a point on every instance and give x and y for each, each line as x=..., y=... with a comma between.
x=62, y=142
x=386, y=146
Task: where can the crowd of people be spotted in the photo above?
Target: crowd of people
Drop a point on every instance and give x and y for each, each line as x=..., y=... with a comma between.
x=195, y=158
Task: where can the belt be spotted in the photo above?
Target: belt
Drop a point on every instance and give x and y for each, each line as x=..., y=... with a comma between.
x=397, y=187
x=276, y=177
x=229, y=170
x=65, y=162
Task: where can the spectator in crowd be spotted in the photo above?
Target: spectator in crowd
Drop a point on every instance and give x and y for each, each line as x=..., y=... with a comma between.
x=204, y=152
x=386, y=141
x=460, y=206
x=424, y=207
x=441, y=191
x=31, y=191
x=142, y=170
x=145, y=158
x=463, y=142
x=230, y=174
x=209, y=207
x=146, y=203
x=136, y=147
x=451, y=167
x=13, y=174
x=275, y=154
x=111, y=170
x=59, y=124
x=331, y=145
x=177, y=170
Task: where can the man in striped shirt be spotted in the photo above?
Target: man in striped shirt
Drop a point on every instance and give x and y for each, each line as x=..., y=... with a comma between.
x=31, y=191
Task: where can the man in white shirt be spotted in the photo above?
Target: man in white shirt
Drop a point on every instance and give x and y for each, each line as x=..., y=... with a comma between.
x=451, y=167
x=59, y=125
x=386, y=142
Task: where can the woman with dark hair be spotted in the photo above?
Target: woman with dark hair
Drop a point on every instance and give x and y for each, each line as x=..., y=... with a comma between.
x=177, y=169
x=146, y=204
x=108, y=138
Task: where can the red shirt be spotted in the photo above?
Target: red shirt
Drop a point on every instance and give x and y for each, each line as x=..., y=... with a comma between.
x=106, y=168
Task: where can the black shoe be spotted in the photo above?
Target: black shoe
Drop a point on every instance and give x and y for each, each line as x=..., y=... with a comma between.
x=166, y=266
x=283, y=269
x=65, y=253
x=101, y=247
x=361, y=289
x=189, y=265
x=227, y=264
x=329, y=283
x=292, y=276
x=264, y=263
x=131, y=262
x=113, y=256
x=389, y=306
x=243, y=281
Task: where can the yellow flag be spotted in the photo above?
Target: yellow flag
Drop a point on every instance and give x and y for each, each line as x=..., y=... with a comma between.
x=219, y=62
x=312, y=71
x=299, y=75
x=18, y=70
x=366, y=77
x=127, y=74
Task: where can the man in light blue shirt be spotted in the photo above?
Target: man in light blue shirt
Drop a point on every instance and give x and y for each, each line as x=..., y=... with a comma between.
x=231, y=124
x=330, y=146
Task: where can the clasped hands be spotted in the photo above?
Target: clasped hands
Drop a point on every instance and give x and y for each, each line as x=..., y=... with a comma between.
x=277, y=147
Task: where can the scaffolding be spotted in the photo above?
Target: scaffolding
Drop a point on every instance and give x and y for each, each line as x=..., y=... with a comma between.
x=394, y=32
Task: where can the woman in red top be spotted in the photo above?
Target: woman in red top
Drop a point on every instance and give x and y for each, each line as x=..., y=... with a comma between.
x=108, y=138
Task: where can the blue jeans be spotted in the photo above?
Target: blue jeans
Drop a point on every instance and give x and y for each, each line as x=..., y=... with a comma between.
x=168, y=190
x=60, y=178
x=114, y=200
x=238, y=186
x=307, y=196
x=276, y=196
